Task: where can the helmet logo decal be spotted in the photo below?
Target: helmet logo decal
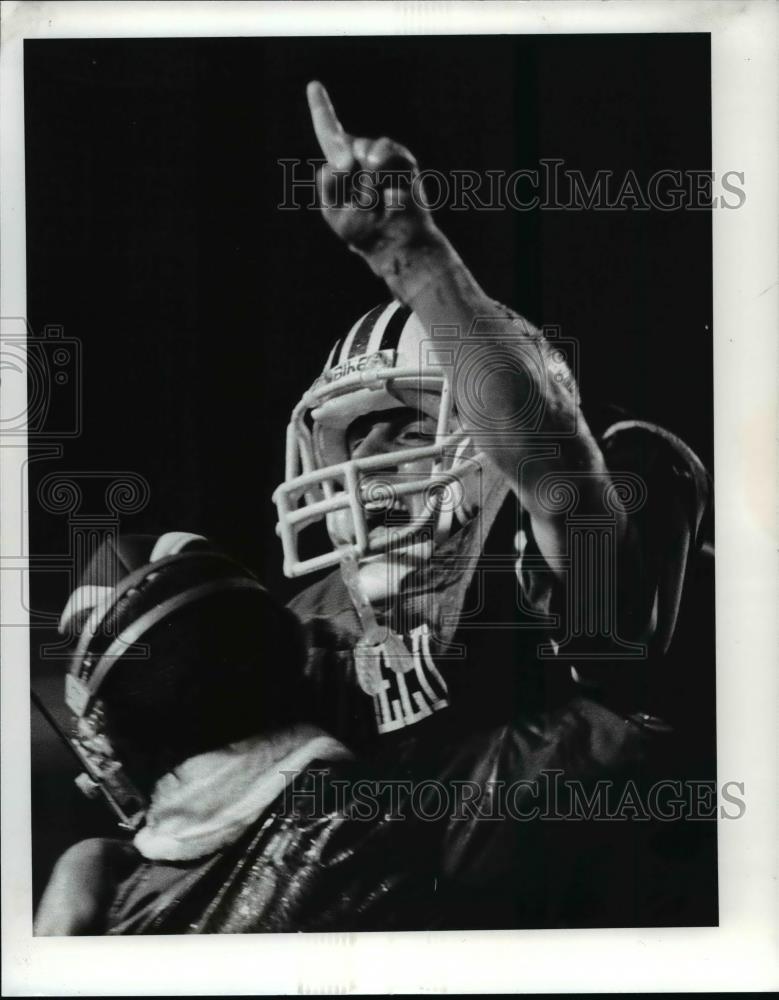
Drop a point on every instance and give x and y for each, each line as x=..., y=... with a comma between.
x=379, y=359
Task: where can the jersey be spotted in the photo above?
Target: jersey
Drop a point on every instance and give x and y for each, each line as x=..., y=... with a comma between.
x=402, y=843
x=490, y=624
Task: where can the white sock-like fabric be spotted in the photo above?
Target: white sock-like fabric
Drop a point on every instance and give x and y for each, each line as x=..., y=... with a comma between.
x=208, y=801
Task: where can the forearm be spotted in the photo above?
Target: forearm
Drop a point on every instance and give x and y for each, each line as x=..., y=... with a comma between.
x=546, y=450
x=422, y=269
x=81, y=887
x=510, y=360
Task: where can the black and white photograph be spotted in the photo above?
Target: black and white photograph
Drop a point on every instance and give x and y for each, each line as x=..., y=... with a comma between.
x=368, y=486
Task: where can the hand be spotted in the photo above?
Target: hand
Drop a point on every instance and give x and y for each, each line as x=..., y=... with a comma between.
x=369, y=189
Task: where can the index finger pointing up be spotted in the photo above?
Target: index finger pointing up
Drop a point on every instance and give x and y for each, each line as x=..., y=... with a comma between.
x=334, y=142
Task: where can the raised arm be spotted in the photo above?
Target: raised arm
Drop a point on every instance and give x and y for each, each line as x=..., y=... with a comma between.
x=372, y=198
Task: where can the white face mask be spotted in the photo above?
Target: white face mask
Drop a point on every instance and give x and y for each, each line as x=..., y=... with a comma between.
x=390, y=513
x=387, y=362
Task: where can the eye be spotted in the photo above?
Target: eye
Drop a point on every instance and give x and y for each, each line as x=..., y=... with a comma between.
x=420, y=432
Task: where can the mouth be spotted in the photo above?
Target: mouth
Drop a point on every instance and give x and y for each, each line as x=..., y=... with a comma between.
x=388, y=528
x=382, y=517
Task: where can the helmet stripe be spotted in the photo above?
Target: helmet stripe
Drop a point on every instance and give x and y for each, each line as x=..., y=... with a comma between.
x=394, y=329
x=332, y=355
x=357, y=343
x=346, y=345
x=372, y=344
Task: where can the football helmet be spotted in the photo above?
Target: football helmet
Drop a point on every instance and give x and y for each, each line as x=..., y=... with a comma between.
x=165, y=632
x=387, y=360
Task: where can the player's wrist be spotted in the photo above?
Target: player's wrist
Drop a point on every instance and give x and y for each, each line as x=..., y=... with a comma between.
x=412, y=260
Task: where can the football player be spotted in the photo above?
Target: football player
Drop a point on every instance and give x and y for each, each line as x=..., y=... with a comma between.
x=490, y=557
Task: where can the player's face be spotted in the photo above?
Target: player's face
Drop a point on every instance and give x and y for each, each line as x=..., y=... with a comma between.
x=382, y=433
x=389, y=430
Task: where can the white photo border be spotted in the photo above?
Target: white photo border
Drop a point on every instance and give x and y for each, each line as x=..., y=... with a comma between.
x=741, y=954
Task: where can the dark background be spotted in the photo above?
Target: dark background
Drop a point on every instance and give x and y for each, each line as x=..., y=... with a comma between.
x=154, y=238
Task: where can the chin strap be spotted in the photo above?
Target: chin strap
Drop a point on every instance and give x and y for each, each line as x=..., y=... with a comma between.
x=377, y=640
x=399, y=699
x=380, y=646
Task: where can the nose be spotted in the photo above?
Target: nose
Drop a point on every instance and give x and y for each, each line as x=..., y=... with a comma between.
x=375, y=442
